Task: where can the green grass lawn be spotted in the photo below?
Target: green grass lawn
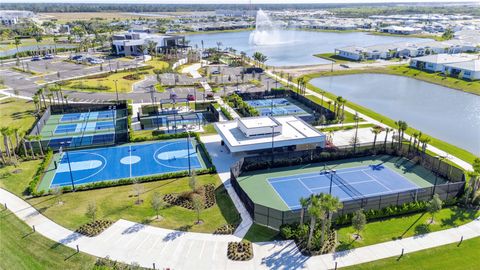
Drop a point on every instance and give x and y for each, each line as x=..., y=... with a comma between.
x=449, y=148
x=123, y=85
x=259, y=233
x=405, y=226
x=16, y=179
x=22, y=249
x=209, y=130
x=119, y=203
x=349, y=117
x=446, y=257
x=16, y=113
x=330, y=129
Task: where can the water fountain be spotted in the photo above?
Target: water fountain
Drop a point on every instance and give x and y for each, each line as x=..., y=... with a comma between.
x=266, y=32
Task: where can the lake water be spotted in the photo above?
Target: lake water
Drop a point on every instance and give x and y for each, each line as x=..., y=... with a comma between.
x=444, y=113
x=34, y=48
x=298, y=47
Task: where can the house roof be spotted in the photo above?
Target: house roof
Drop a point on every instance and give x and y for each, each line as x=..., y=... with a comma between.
x=473, y=65
x=444, y=58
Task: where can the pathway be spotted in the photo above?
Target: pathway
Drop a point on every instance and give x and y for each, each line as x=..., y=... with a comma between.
x=130, y=242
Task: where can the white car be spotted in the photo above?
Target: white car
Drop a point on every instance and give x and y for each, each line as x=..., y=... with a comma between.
x=96, y=61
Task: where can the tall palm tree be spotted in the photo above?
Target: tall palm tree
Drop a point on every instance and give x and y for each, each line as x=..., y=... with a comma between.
x=315, y=211
x=18, y=42
x=38, y=38
x=322, y=93
x=219, y=44
x=4, y=132
x=304, y=203
x=330, y=205
x=38, y=139
x=55, y=41
x=36, y=101
x=152, y=47
x=41, y=93
x=387, y=130
x=402, y=126
x=30, y=146
x=376, y=130
x=10, y=132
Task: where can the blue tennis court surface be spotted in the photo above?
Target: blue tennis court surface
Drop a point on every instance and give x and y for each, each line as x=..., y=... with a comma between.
x=349, y=184
x=113, y=163
x=91, y=116
x=275, y=106
x=268, y=102
x=83, y=127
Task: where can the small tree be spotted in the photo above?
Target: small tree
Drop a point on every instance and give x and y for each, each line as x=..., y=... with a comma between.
x=137, y=190
x=359, y=220
x=157, y=202
x=192, y=182
x=57, y=192
x=434, y=206
x=91, y=211
x=198, y=205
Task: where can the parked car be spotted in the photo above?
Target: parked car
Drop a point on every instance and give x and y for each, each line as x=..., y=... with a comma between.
x=215, y=72
x=190, y=97
x=48, y=56
x=173, y=95
x=77, y=57
x=36, y=58
x=96, y=61
x=210, y=95
x=345, y=66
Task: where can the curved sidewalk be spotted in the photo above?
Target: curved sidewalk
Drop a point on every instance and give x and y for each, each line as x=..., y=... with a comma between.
x=133, y=242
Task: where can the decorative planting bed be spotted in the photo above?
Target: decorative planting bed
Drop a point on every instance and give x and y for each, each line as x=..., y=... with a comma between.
x=240, y=251
x=94, y=228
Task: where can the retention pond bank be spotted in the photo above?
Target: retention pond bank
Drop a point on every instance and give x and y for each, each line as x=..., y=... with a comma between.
x=441, y=112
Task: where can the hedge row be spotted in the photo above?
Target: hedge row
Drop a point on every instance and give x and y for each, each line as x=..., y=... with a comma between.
x=32, y=186
x=242, y=107
x=89, y=87
x=129, y=181
x=226, y=113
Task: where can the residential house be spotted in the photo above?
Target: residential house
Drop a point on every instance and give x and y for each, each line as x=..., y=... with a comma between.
x=469, y=70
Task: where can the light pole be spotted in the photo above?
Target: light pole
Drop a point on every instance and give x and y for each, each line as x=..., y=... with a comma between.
x=68, y=161
x=113, y=108
x=116, y=89
x=332, y=172
x=356, y=133
x=440, y=158
x=156, y=112
x=273, y=133
x=188, y=151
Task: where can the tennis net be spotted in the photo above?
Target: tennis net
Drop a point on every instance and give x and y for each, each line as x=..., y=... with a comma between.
x=350, y=190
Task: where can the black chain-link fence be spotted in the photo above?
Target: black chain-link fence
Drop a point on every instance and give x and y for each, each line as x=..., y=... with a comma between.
x=453, y=187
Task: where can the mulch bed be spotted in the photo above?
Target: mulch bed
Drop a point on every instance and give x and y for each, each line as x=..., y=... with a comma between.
x=207, y=192
x=94, y=228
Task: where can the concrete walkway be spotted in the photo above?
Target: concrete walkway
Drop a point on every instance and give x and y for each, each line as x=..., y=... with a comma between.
x=131, y=242
x=193, y=70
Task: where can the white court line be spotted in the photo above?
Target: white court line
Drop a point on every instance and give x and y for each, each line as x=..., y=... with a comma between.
x=278, y=194
x=335, y=185
x=310, y=173
x=309, y=190
x=374, y=178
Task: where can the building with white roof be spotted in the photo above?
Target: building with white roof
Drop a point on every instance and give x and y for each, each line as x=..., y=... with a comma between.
x=436, y=62
x=469, y=70
x=135, y=43
x=257, y=134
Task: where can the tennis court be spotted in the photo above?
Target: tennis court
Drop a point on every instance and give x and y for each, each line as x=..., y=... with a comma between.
x=275, y=106
x=84, y=127
x=135, y=160
x=90, y=116
x=346, y=184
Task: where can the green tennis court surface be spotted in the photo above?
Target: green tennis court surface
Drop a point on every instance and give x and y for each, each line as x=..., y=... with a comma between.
x=402, y=173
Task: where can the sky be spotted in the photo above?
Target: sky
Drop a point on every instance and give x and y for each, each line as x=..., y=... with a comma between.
x=229, y=1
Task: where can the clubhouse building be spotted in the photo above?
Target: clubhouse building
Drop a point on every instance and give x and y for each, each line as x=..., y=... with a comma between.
x=135, y=43
x=261, y=134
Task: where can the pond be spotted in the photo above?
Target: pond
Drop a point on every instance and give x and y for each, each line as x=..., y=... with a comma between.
x=295, y=47
x=444, y=113
x=27, y=48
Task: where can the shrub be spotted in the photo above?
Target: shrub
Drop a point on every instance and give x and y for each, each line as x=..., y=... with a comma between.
x=240, y=251
x=32, y=186
x=94, y=228
x=185, y=200
x=90, y=87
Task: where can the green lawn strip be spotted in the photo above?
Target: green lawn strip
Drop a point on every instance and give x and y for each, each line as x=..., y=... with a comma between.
x=349, y=127
x=22, y=249
x=449, y=148
x=209, y=130
x=119, y=203
x=405, y=226
x=339, y=59
x=16, y=113
x=259, y=233
x=123, y=85
x=16, y=179
x=447, y=257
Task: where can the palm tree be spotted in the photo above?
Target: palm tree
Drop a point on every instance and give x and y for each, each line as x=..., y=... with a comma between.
x=36, y=101
x=330, y=205
x=4, y=132
x=260, y=57
x=152, y=47
x=38, y=138
x=387, y=130
x=55, y=41
x=304, y=203
x=38, y=38
x=425, y=140
x=322, y=93
x=9, y=132
x=18, y=42
x=29, y=141
x=402, y=126
x=40, y=92
x=219, y=44
x=376, y=130
x=315, y=211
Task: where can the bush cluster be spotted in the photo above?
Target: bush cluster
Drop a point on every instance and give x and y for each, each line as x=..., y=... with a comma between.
x=242, y=107
x=240, y=251
x=107, y=264
x=207, y=192
x=90, y=87
x=226, y=229
x=94, y=228
x=32, y=186
x=299, y=233
x=226, y=113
